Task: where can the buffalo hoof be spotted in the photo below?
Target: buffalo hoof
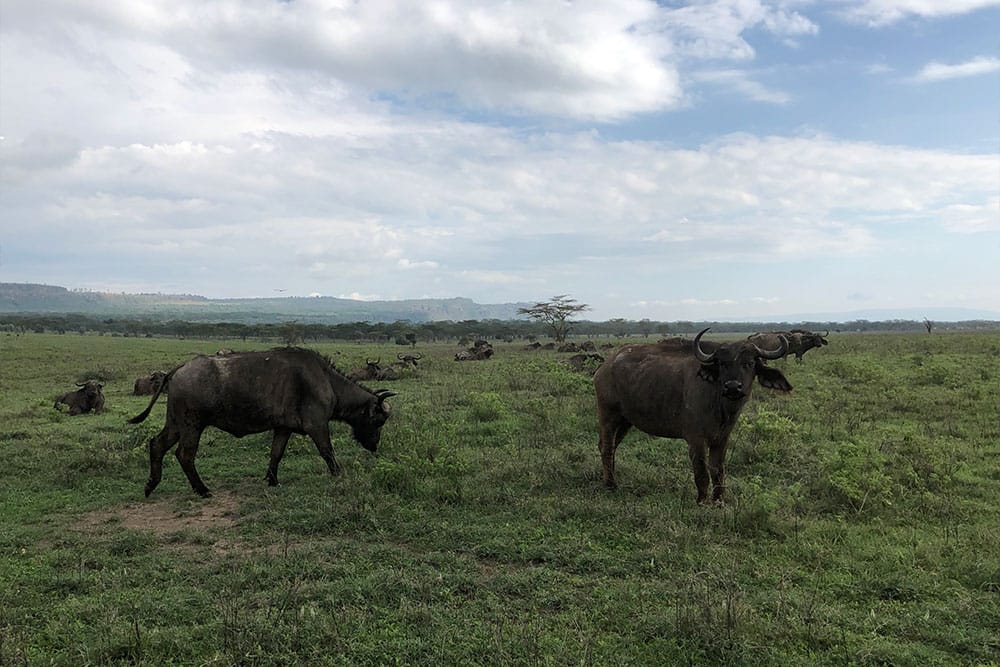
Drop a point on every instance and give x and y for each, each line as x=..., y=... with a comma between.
x=204, y=493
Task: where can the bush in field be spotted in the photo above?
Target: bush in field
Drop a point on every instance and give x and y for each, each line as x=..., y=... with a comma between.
x=102, y=374
x=486, y=406
x=851, y=475
x=411, y=475
x=763, y=437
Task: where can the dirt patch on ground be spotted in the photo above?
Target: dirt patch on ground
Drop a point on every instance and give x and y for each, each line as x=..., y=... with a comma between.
x=164, y=517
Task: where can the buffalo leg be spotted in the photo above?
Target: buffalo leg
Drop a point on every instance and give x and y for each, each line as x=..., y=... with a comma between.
x=717, y=466
x=278, y=443
x=696, y=452
x=158, y=447
x=611, y=435
x=322, y=439
x=187, y=450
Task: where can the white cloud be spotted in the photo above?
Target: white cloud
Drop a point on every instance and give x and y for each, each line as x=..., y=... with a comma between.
x=972, y=218
x=940, y=72
x=406, y=264
x=497, y=277
x=356, y=296
x=596, y=60
x=462, y=208
x=715, y=29
x=884, y=12
x=351, y=148
x=691, y=301
x=740, y=82
x=878, y=69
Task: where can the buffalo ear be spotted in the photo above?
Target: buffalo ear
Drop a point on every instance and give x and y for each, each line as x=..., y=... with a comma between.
x=708, y=372
x=772, y=378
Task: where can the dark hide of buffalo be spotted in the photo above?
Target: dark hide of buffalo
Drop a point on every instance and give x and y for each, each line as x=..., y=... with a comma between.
x=800, y=341
x=287, y=390
x=88, y=397
x=147, y=386
x=685, y=389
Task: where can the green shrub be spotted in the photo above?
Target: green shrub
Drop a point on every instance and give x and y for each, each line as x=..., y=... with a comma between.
x=486, y=406
x=851, y=475
x=764, y=436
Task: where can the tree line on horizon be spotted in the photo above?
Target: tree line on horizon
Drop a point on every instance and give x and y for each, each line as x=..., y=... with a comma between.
x=406, y=332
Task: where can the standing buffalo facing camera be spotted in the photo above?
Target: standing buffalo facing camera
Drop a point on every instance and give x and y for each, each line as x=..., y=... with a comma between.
x=685, y=389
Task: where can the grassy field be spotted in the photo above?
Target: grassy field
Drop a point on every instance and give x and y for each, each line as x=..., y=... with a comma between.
x=861, y=525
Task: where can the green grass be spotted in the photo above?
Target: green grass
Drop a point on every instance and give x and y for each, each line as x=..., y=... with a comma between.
x=861, y=525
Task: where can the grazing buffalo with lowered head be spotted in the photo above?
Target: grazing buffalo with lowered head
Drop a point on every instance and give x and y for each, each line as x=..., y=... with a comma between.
x=148, y=385
x=286, y=390
x=800, y=341
x=689, y=389
x=88, y=397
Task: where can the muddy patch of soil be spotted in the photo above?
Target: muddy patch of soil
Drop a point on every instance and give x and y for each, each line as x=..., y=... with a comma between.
x=166, y=517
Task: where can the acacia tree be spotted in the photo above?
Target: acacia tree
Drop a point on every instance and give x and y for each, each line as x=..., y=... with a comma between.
x=291, y=332
x=555, y=314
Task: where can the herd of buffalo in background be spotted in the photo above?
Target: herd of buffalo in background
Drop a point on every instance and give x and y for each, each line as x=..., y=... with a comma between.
x=675, y=388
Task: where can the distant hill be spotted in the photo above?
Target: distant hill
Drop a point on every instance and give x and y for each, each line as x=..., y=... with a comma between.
x=24, y=298
x=935, y=314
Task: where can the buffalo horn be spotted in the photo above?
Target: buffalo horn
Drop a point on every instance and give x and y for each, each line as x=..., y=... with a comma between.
x=703, y=357
x=774, y=354
x=382, y=394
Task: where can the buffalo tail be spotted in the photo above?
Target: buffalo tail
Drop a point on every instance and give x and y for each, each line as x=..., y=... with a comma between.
x=149, y=408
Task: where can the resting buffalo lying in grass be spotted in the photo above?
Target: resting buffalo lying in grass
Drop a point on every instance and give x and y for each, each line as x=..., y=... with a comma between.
x=88, y=397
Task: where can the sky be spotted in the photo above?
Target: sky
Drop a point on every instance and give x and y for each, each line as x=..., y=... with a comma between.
x=666, y=160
